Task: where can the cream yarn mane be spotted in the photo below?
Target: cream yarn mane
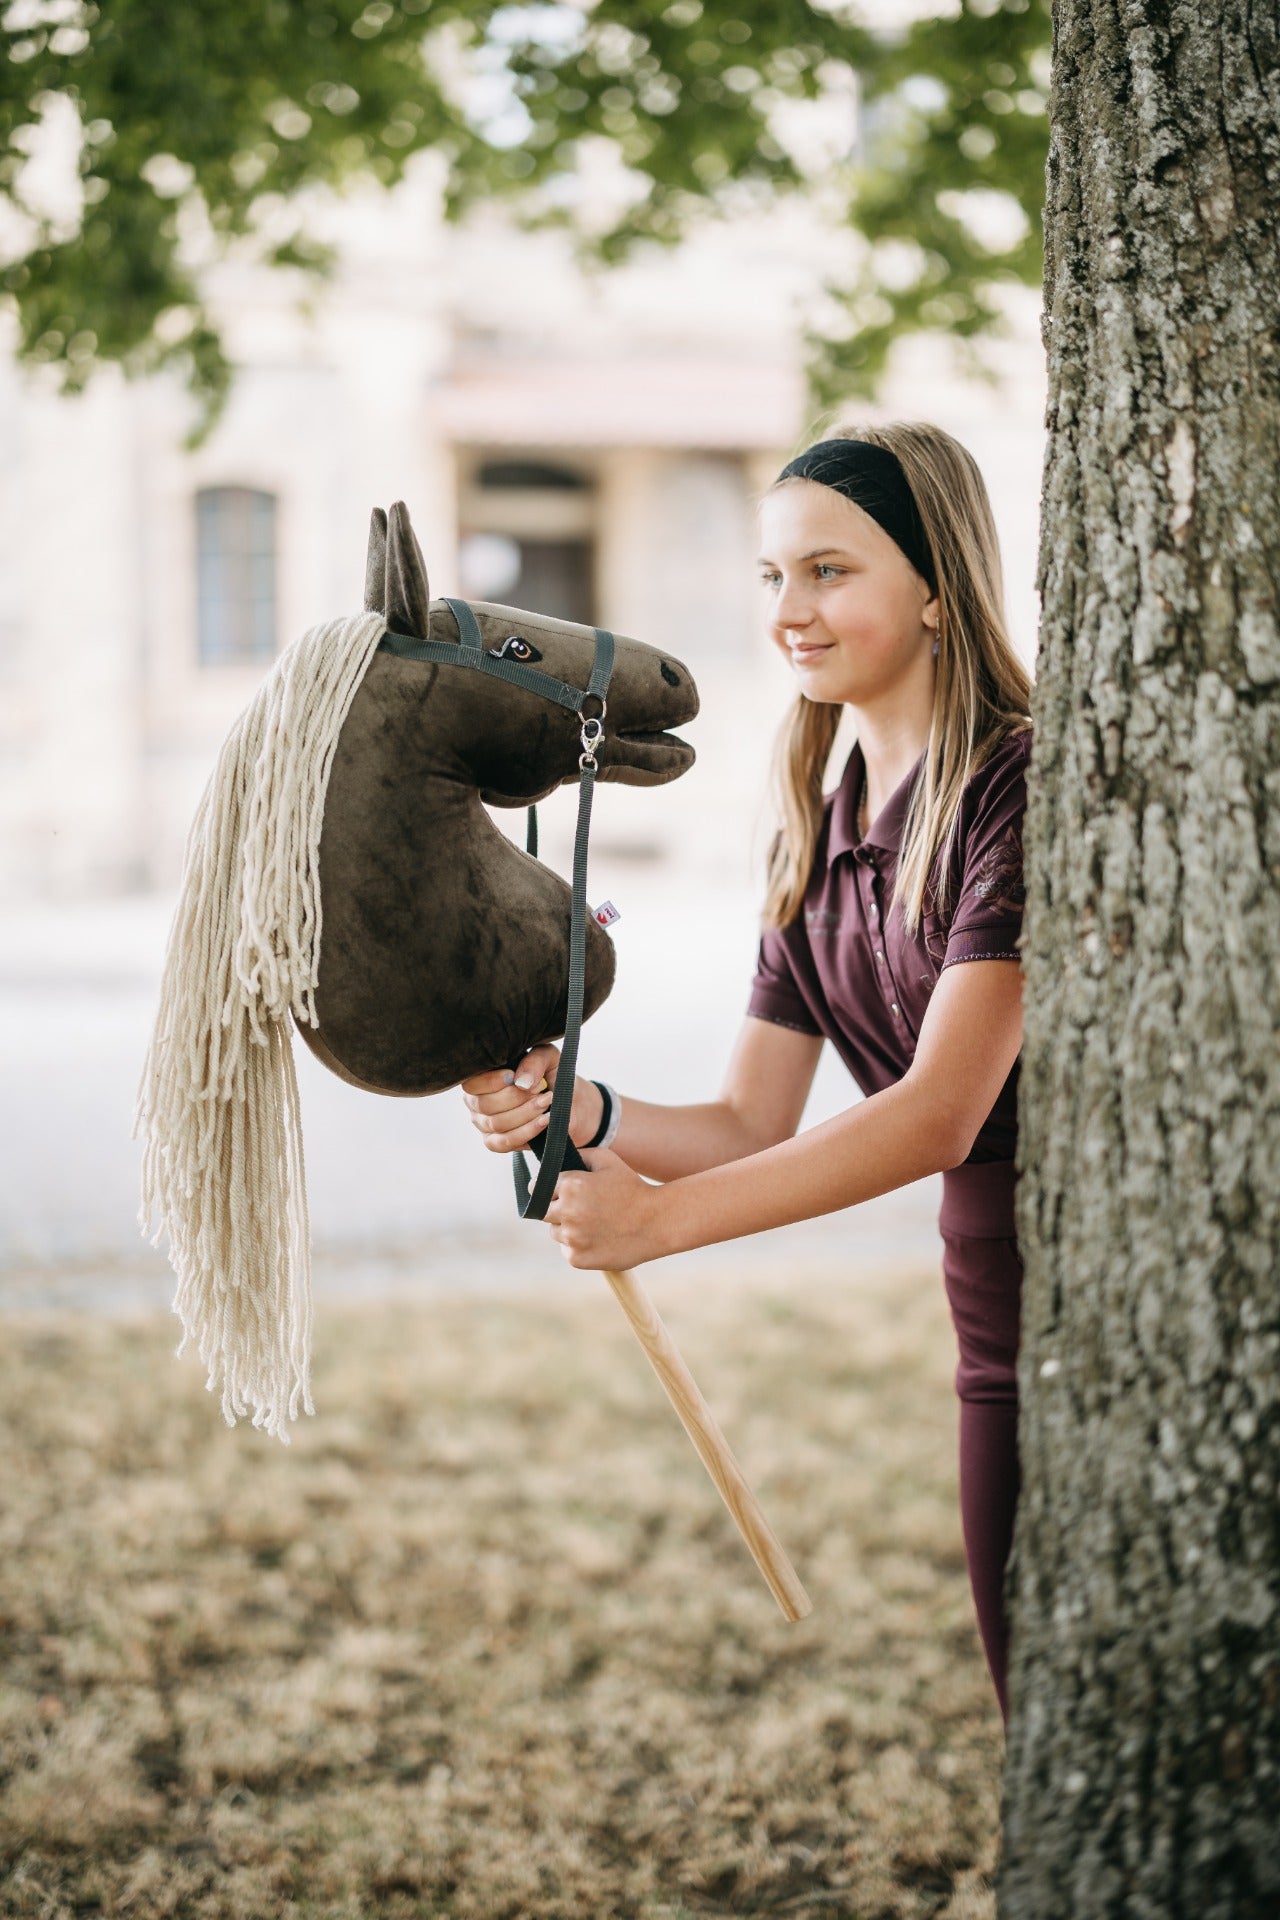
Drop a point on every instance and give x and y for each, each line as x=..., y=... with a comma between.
x=217, y=1110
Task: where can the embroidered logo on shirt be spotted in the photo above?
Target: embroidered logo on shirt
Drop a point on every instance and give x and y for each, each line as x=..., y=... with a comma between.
x=822, y=920
x=998, y=881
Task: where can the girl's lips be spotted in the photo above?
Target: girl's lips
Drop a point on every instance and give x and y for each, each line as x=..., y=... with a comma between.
x=801, y=654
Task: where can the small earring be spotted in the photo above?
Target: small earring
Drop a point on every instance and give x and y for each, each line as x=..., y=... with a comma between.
x=935, y=648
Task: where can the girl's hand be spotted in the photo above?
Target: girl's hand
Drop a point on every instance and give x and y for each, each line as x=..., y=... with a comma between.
x=509, y=1110
x=609, y=1217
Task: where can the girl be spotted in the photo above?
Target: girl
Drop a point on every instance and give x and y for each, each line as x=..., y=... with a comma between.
x=881, y=572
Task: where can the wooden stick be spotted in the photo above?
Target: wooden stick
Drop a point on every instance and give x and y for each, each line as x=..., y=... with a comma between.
x=700, y=1424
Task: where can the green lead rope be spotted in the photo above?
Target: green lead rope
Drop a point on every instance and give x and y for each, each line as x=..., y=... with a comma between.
x=554, y=1149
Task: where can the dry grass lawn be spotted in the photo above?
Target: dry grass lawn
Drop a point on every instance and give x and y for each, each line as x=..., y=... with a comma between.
x=483, y=1642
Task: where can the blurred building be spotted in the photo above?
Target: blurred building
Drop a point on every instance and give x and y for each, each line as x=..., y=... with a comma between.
x=587, y=445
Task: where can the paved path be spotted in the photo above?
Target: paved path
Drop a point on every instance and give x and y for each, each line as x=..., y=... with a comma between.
x=402, y=1194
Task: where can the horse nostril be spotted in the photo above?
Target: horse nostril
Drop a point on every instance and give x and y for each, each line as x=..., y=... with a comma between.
x=669, y=674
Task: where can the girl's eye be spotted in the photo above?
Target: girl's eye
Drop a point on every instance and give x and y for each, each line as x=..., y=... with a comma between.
x=826, y=567
x=769, y=579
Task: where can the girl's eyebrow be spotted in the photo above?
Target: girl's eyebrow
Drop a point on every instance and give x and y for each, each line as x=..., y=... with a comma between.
x=817, y=554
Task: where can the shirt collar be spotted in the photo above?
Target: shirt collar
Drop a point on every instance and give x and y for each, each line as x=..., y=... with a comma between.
x=886, y=828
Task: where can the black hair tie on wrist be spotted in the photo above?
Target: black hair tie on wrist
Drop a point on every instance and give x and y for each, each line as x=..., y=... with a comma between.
x=606, y=1115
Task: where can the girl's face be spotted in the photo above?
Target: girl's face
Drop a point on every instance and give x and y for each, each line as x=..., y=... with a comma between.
x=844, y=604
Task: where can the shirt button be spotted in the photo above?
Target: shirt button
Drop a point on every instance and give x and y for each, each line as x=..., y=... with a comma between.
x=879, y=956
x=894, y=1006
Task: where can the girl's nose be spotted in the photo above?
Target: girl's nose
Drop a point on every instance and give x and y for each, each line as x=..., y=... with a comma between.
x=791, y=611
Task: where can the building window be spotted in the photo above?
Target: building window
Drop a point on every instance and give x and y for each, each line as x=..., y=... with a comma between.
x=528, y=528
x=235, y=575
x=538, y=476
x=554, y=577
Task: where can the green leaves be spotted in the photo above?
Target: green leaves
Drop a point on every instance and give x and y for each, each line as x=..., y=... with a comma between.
x=684, y=91
x=193, y=124
x=190, y=129
x=950, y=191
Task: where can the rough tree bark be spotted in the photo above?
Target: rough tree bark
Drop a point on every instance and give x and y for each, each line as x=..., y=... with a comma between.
x=1143, y=1770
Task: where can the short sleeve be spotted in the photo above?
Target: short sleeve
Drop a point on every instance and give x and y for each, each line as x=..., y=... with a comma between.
x=774, y=993
x=987, y=920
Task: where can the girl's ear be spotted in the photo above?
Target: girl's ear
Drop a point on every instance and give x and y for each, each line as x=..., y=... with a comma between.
x=930, y=614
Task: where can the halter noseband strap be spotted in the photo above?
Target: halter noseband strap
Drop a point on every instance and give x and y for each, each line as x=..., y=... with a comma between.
x=554, y=1149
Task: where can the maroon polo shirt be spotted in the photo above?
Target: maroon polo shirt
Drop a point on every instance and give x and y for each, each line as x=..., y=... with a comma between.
x=845, y=969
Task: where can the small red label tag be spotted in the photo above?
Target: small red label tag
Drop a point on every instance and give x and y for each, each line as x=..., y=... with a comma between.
x=605, y=914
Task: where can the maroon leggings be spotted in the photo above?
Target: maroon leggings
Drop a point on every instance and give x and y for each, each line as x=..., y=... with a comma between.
x=983, y=1273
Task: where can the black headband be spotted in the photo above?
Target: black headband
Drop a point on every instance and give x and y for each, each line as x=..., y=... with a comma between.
x=873, y=479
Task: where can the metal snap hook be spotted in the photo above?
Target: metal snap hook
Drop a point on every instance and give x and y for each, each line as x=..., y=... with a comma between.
x=592, y=732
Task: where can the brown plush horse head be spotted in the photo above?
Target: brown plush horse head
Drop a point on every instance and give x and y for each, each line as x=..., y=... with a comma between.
x=342, y=870
x=445, y=948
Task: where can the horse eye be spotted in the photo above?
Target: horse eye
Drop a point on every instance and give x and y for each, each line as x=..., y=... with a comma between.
x=515, y=647
x=669, y=674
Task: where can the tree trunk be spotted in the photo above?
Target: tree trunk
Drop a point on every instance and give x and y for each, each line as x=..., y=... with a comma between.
x=1143, y=1771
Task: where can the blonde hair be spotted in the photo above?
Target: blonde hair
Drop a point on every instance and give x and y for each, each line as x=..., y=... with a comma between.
x=982, y=691
x=217, y=1110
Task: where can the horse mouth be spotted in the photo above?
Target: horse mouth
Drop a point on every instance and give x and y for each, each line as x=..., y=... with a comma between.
x=637, y=736
x=660, y=737
x=652, y=755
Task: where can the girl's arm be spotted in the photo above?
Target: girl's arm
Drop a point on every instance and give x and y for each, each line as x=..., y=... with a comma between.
x=927, y=1121
x=765, y=1087
x=762, y=1098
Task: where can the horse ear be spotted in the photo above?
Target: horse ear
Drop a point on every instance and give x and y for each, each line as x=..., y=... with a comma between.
x=407, y=608
x=375, y=565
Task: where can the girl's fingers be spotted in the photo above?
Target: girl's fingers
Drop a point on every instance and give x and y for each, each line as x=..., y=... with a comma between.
x=539, y=1063
x=508, y=1100
x=522, y=1114
x=507, y=1140
x=496, y=1112
x=506, y=1114
x=515, y=1125
x=487, y=1082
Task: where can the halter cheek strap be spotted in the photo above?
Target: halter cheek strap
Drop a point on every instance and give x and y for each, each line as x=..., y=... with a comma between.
x=554, y=1149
